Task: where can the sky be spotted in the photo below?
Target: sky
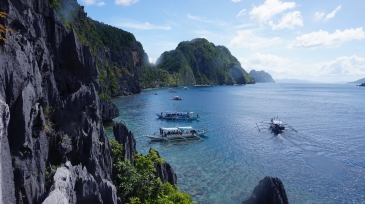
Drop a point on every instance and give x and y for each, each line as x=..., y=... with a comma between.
x=321, y=41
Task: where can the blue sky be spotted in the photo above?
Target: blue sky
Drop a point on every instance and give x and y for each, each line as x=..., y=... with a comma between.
x=313, y=40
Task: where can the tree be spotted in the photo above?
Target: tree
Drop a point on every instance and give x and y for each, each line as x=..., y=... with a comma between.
x=3, y=29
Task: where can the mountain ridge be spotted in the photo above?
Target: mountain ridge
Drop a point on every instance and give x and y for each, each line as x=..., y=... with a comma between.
x=199, y=62
x=261, y=76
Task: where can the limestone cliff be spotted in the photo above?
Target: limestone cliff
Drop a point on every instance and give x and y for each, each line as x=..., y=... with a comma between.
x=53, y=145
x=201, y=62
x=261, y=76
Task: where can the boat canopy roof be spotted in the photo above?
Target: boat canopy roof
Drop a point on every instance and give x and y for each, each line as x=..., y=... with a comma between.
x=177, y=128
x=277, y=122
x=175, y=112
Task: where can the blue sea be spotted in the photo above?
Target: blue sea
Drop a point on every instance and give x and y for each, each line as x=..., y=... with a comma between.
x=323, y=162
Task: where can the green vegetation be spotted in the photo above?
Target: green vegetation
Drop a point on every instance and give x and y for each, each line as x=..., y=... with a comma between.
x=48, y=112
x=201, y=62
x=138, y=184
x=3, y=29
x=48, y=179
x=55, y=4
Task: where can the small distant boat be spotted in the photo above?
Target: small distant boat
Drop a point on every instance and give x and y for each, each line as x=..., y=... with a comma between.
x=171, y=115
x=176, y=133
x=172, y=90
x=276, y=125
x=186, y=88
x=176, y=98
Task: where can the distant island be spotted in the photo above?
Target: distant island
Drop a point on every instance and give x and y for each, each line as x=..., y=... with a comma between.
x=363, y=84
x=261, y=76
x=200, y=62
x=360, y=81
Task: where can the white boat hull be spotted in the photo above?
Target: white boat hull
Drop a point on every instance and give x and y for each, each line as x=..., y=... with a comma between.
x=183, y=136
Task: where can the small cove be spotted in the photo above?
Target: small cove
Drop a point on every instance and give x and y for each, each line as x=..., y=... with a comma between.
x=322, y=163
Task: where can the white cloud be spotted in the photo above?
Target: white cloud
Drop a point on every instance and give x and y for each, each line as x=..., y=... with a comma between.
x=88, y=2
x=198, y=18
x=333, y=13
x=125, y=2
x=273, y=64
x=202, y=19
x=323, y=38
x=141, y=26
x=93, y=2
x=102, y=3
x=289, y=20
x=270, y=8
x=345, y=66
x=236, y=1
x=241, y=13
x=246, y=38
x=318, y=16
x=152, y=60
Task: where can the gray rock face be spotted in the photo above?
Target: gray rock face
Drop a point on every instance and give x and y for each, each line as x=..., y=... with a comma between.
x=126, y=138
x=49, y=81
x=269, y=191
x=109, y=111
x=261, y=76
x=6, y=174
x=165, y=172
x=73, y=184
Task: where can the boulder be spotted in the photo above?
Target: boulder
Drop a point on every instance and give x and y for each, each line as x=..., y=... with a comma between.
x=269, y=191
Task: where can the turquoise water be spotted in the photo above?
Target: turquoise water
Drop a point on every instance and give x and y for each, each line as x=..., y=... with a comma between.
x=321, y=163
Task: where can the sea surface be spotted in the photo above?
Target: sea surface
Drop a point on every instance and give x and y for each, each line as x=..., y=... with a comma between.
x=323, y=162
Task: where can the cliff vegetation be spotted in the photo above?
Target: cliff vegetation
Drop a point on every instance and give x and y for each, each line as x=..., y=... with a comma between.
x=201, y=62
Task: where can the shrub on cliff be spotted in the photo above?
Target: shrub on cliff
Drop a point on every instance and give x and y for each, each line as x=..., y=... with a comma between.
x=138, y=184
x=3, y=29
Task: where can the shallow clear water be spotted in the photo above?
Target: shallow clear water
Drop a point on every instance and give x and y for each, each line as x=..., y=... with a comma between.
x=321, y=163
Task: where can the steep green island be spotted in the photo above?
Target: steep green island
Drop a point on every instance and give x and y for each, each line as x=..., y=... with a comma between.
x=261, y=76
x=199, y=62
x=58, y=71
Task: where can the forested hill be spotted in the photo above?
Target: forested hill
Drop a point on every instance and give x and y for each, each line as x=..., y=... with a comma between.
x=201, y=62
x=261, y=76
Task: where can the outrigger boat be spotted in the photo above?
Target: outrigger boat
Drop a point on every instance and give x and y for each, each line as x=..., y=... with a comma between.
x=275, y=125
x=170, y=115
x=176, y=98
x=177, y=133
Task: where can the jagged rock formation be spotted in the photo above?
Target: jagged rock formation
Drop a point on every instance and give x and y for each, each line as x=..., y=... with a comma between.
x=54, y=113
x=120, y=58
x=269, y=191
x=201, y=62
x=261, y=76
x=165, y=172
x=125, y=137
x=73, y=184
x=49, y=80
x=6, y=173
